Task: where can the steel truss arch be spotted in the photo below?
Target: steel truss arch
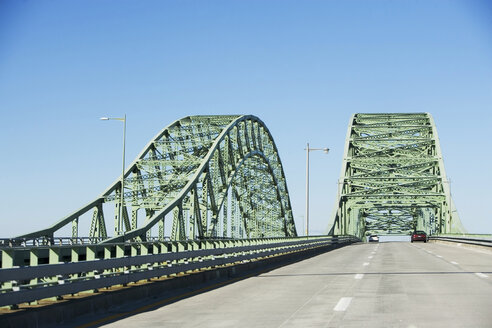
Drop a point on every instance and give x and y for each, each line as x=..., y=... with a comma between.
x=393, y=178
x=217, y=176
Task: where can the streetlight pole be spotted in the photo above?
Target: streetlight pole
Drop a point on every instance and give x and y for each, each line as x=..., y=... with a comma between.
x=325, y=150
x=119, y=224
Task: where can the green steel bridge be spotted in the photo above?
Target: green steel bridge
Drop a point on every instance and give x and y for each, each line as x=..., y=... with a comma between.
x=218, y=184
x=393, y=178
x=213, y=176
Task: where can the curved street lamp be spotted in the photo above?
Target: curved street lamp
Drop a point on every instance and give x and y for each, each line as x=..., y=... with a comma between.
x=119, y=225
x=325, y=150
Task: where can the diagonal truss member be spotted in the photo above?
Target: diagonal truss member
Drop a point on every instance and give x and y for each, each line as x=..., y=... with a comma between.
x=213, y=176
x=393, y=178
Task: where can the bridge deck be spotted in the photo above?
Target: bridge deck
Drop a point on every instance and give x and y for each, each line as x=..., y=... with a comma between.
x=370, y=285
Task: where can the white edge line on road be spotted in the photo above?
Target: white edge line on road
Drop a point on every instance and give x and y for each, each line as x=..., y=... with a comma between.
x=359, y=276
x=343, y=304
x=481, y=275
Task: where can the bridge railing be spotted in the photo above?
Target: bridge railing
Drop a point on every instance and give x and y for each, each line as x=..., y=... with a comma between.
x=476, y=240
x=46, y=241
x=35, y=282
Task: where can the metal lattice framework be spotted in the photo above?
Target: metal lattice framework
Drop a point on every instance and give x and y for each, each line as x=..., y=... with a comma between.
x=393, y=178
x=213, y=176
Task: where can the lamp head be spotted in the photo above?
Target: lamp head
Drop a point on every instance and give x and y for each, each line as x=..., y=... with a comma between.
x=326, y=150
x=104, y=118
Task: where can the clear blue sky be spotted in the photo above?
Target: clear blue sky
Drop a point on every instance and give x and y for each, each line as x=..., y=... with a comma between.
x=303, y=67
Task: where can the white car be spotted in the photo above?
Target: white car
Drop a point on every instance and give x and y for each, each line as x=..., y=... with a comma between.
x=373, y=238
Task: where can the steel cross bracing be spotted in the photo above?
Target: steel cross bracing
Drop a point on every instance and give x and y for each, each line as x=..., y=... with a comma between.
x=393, y=178
x=213, y=176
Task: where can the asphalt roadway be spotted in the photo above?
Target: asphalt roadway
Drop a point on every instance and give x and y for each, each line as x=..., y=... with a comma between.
x=394, y=284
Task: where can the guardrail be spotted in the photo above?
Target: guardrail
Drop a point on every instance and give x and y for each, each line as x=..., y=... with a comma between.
x=464, y=240
x=47, y=241
x=35, y=282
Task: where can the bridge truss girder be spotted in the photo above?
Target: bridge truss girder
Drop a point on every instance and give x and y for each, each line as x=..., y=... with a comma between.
x=213, y=176
x=393, y=178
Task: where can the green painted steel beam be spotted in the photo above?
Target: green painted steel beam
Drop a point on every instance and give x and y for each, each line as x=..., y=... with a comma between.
x=393, y=178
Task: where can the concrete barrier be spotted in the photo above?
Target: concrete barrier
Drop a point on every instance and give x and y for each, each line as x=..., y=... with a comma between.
x=62, y=312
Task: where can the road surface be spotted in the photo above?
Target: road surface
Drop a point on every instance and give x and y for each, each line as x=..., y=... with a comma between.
x=395, y=284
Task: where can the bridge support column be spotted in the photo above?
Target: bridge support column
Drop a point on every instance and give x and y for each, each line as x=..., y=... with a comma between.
x=54, y=258
x=157, y=248
x=7, y=258
x=74, y=257
x=74, y=254
x=120, y=252
x=160, y=248
x=33, y=261
x=107, y=252
x=134, y=251
x=54, y=255
x=177, y=246
x=7, y=262
x=91, y=255
x=107, y=255
x=144, y=249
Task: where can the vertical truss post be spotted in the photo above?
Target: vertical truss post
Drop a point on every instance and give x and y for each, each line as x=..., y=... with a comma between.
x=75, y=227
x=7, y=262
x=162, y=229
x=118, y=224
x=33, y=261
x=225, y=215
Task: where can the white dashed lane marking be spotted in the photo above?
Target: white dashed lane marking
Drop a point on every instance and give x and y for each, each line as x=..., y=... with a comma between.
x=365, y=264
x=359, y=276
x=343, y=304
x=481, y=275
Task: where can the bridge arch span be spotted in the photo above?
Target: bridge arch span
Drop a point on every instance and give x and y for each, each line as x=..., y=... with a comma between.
x=211, y=176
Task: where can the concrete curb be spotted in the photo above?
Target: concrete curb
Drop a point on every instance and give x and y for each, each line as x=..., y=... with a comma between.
x=483, y=248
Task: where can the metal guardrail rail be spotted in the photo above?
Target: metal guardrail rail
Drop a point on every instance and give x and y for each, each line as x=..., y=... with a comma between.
x=45, y=241
x=464, y=240
x=35, y=282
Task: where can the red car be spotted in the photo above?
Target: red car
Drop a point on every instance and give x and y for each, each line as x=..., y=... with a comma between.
x=419, y=236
